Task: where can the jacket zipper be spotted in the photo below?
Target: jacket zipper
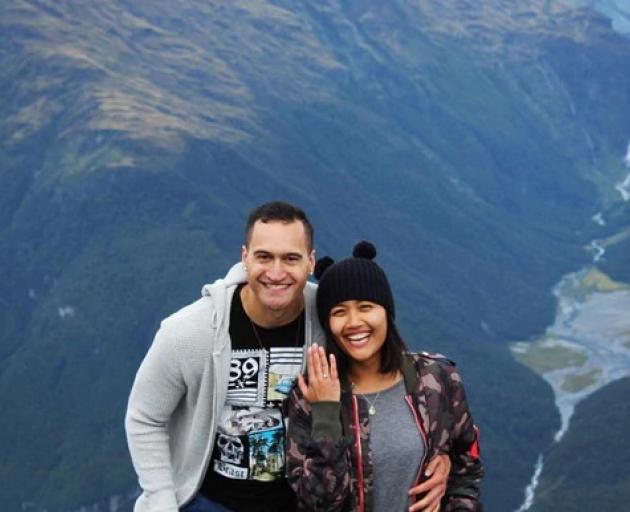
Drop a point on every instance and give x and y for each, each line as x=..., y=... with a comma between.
x=423, y=436
x=358, y=449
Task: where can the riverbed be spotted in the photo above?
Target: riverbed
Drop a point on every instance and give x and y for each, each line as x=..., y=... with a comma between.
x=586, y=348
x=588, y=345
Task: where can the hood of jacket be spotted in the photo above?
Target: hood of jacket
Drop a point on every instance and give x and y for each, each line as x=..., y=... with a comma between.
x=221, y=291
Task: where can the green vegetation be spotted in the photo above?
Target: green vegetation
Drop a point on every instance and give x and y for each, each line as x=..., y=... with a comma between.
x=596, y=444
x=136, y=136
x=617, y=261
x=595, y=280
x=543, y=357
x=578, y=381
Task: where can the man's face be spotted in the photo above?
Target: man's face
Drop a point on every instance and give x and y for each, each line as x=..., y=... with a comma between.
x=278, y=262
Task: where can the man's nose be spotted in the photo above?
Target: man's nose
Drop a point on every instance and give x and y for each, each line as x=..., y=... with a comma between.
x=276, y=271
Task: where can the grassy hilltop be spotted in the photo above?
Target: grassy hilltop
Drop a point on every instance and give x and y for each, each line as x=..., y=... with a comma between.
x=471, y=141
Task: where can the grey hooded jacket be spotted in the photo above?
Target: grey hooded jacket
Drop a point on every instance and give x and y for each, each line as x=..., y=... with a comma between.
x=179, y=392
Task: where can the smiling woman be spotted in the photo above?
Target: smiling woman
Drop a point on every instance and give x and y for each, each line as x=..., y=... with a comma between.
x=371, y=418
x=359, y=327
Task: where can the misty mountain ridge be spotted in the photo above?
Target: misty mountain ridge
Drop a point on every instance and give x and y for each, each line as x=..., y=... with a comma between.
x=473, y=142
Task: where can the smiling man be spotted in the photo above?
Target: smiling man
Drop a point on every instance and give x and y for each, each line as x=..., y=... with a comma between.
x=204, y=421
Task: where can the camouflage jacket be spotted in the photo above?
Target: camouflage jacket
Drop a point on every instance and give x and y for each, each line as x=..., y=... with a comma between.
x=329, y=462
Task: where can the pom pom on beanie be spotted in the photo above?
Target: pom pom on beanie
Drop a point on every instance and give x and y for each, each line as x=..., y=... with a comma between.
x=355, y=278
x=364, y=249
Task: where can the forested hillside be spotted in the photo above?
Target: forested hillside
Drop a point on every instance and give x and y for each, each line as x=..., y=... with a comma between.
x=472, y=141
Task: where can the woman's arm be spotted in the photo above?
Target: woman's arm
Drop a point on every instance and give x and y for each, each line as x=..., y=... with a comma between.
x=462, y=493
x=317, y=453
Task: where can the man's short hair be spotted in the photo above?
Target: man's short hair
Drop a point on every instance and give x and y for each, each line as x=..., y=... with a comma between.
x=281, y=211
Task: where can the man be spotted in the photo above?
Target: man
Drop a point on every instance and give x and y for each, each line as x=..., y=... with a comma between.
x=204, y=421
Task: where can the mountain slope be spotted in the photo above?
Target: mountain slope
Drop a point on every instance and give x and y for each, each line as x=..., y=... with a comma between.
x=471, y=141
x=569, y=486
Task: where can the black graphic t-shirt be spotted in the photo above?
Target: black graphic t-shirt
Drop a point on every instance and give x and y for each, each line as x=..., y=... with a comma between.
x=247, y=467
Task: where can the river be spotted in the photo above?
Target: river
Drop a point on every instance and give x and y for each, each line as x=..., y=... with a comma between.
x=588, y=345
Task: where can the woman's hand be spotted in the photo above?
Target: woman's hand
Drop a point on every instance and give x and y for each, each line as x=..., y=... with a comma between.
x=323, y=380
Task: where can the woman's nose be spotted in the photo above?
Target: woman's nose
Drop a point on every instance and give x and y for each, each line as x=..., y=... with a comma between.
x=354, y=316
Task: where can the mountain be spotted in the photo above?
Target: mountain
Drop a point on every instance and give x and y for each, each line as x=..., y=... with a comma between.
x=618, y=11
x=471, y=141
x=570, y=486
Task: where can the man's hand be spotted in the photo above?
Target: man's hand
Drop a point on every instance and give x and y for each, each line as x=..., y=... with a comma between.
x=323, y=381
x=434, y=486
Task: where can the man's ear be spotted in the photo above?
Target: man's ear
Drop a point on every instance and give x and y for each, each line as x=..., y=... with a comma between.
x=311, y=262
x=243, y=253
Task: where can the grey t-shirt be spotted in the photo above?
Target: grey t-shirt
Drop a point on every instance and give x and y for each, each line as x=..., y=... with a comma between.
x=397, y=449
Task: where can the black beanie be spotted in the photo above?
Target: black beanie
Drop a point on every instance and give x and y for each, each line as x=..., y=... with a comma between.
x=356, y=278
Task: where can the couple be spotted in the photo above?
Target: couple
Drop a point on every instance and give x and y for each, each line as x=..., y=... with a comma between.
x=368, y=426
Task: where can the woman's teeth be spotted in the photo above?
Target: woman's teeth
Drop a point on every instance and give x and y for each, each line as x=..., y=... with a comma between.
x=358, y=339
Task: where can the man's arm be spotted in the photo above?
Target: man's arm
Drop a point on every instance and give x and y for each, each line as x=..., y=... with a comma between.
x=434, y=487
x=157, y=389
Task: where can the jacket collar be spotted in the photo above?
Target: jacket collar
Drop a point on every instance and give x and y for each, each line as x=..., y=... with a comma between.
x=408, y=371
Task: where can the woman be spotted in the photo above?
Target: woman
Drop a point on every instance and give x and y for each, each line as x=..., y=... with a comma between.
x=371, y=415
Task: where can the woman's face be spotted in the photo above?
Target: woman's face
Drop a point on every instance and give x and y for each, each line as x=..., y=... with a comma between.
x=359, y=328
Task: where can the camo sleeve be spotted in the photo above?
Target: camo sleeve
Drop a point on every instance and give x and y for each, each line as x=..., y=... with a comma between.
x=317, y=454
x=462, y=494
